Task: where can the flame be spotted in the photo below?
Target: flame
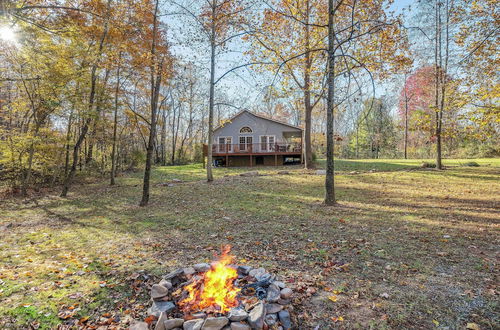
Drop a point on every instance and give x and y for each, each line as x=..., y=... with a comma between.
x=215, y=289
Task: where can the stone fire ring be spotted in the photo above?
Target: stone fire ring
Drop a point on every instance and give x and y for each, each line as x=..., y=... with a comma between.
x=267, y=306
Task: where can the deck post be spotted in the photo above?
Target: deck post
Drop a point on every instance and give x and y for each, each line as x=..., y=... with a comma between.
x=251, y=160
x=227, y=155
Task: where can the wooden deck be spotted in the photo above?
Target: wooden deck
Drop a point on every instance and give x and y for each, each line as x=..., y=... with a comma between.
x=257, y=149
x=254, y=151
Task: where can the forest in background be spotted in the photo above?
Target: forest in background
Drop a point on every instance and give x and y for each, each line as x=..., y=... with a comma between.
x=98, y=87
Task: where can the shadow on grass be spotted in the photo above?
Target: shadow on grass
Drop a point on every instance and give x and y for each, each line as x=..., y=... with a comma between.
x=346, y=165
x=277, y=222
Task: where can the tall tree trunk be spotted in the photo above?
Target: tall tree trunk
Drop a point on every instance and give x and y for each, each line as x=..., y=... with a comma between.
x=308, y=161
x=406, y=124
x=155, y=92
x=26, y=178
x=68, y=137
x=443, y=74
x=174, y=133
x=406, y=120
x=163, y=136
x=95, y=127
x=115, y=123
x=210, y=176
x=357, y=140
x=330, y=111
x=437, y=67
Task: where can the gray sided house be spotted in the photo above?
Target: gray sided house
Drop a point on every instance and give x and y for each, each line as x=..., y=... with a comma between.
x=249, y=139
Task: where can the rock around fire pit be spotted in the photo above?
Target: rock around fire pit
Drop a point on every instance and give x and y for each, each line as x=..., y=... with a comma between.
x=221, y=296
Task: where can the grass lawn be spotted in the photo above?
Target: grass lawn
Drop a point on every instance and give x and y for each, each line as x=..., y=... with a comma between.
x=405, y=248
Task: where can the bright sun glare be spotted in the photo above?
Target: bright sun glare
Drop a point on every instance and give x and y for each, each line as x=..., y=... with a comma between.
x=7, y=34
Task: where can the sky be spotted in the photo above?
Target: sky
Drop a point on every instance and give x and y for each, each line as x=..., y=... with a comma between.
x=398, y=5
x=243, y=88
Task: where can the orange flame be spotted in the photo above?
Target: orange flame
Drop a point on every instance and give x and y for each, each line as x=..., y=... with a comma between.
x=215, y=289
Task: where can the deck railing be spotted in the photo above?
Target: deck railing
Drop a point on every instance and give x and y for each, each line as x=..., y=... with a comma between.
x=255, y=148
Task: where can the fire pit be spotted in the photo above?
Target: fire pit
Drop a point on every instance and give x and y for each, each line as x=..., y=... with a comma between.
x=221, y=295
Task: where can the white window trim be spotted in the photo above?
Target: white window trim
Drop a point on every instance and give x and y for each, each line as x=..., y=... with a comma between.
x=267, y=142
x=239, y=131
x=246, y=143
x=225, y=140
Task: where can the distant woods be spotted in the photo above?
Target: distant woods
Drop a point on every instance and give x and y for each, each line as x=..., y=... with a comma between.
x=96, y=88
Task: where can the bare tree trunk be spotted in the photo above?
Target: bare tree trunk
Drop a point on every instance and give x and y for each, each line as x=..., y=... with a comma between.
x=163, y=136
x=437, y=67
x=115, y=123
x=175, y=131
x=95, y=126
x=330, y=111
x=308, y=161
x=444, y=73
x=406, y=123
x=26, y=178
x=210, y=176
x=68, y=139
x=357, y=140
x=155, y=92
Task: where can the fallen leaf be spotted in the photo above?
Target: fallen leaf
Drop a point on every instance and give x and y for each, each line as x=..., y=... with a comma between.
x=337, y=319
x=150, y=319
x=84, y=319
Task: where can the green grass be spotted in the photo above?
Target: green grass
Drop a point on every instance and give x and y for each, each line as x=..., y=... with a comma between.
x=85, y=256
x=342, y=165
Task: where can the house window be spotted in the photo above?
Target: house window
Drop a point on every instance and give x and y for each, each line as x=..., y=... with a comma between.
x=245, y=130
x=267, y=143
x=225, y=143
x=246, y=143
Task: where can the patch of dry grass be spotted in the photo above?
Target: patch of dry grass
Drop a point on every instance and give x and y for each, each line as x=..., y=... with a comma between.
x=404, y=247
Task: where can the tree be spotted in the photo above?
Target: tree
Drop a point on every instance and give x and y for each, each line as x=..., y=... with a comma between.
x=221, y=21
x=415, y=105
x=478, y=37
x=290, y=36
x=375, y=133
x=330, y=107
x=91, y=109
x=115, y=123
x=157, y=67
x=403, y=104
x=353, y=28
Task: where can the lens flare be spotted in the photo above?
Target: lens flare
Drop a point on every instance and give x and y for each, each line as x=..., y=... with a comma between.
x=8, y=34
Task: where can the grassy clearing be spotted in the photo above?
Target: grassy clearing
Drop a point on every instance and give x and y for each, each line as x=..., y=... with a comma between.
x=405, y=248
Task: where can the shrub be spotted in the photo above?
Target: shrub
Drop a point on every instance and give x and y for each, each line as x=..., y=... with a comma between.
x=428, y=165
x=136, y=158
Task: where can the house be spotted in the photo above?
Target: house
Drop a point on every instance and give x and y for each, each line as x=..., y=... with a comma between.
x=249, y=139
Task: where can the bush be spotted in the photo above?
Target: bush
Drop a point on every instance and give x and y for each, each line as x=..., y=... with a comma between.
x=136, y=158
x=428, y=165
x=314, y=156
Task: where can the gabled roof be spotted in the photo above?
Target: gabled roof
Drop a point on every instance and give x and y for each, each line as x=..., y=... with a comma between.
x=259, y=116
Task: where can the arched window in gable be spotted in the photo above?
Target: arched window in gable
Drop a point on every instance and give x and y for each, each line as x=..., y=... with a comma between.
x=245, y=129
